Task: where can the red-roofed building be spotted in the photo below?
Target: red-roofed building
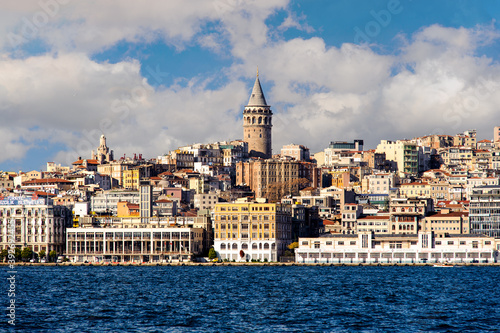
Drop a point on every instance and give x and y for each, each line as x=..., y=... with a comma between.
x=127, y=209
x=446, y=222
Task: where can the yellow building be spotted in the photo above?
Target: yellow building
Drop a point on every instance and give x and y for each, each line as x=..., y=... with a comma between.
x=415, y=190
x=131, y=179
x=251, y=230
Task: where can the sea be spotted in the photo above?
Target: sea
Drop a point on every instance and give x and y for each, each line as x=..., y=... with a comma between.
x=252, y=299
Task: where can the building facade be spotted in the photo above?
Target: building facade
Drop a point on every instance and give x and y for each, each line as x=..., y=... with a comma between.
x=34, y=223
x=383, y=248
x=252, y=231
x=484, y=211
x=144, y=244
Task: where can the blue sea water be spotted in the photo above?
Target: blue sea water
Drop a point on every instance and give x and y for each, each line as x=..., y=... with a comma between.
x=255, y=299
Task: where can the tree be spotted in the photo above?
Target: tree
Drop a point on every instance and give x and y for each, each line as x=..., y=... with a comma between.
x=42, y=254
x=277, y=190
x=27, y=253
x=17, y=254
x=242, y=254
x=4, y=254
x=52, y=255
x=293, y=246
x=212, y=254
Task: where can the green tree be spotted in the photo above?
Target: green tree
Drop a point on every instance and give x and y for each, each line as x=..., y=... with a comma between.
x=42, y=254
x=27, y=253
x=4, y=254
x=212, y=254
x=52, y=255
x=17, y=254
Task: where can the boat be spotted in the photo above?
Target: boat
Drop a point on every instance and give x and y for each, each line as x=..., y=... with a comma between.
x=443, y=265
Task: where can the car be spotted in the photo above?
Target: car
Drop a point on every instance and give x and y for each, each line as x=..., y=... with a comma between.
x=32, y=260
x=43, y=261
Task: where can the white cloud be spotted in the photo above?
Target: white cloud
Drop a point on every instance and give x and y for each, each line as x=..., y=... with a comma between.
x=318, y=92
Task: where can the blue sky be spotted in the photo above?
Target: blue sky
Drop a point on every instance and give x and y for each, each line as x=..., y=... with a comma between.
x=156, y=75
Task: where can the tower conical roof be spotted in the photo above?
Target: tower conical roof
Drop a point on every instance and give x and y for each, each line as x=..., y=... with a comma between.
x=257, y=98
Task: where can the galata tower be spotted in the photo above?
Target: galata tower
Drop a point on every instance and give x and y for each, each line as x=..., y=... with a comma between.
x=257, y=123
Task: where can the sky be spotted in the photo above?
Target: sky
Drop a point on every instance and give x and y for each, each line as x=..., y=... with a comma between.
x=155, y=75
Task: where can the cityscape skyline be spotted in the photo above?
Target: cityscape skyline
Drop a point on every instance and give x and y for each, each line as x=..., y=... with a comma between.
x=342, y=71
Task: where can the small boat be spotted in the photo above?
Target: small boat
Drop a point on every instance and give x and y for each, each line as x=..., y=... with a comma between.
x=443, y=265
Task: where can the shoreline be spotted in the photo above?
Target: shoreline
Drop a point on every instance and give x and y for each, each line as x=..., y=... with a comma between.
x=175, y=264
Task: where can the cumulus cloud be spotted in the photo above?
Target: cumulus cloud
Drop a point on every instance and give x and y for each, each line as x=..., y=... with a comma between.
x=435, y=82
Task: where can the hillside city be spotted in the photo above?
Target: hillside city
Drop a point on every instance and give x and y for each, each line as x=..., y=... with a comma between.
x=430, y=199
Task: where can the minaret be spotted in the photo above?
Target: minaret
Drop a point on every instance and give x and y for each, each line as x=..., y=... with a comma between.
x=257, y=123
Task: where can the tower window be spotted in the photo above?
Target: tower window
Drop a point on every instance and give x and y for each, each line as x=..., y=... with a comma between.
x=248, y=135
x=260, y=135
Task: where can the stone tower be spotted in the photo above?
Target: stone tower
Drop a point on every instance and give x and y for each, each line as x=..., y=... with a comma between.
x=103, y=155
x=257, y=123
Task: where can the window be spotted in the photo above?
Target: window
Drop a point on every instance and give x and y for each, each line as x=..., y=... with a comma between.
x=341, y=243
x=352, y=243
x=305, y=243
x=317, y=245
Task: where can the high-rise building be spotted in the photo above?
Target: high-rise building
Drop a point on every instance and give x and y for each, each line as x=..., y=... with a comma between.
x=257, y=123
x=146, y=202
x=484, y=210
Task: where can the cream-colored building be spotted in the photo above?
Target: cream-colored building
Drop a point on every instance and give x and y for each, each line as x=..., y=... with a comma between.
x=252, y=230
x=415, y=190
x=446, y=222
x=385, y=248
x=297, y=152
x=404, y=153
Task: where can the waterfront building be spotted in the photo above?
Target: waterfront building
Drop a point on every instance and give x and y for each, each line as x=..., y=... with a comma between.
x=154, y=242
x=34, y=222
x=257, y=126
x=423, y=247
x=252, y=230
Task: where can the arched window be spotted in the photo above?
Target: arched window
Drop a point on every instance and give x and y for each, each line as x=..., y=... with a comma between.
x=223, y=246
x=260, y=246
x=265, y=120
x=273, y=246
x=244, y=246
x=260, y=120
x=235, y=246
x=253, y=120
x=266, y=246
x=254, y=246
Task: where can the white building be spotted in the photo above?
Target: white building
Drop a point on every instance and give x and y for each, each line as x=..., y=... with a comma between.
x=158, y=243
x=34, y=222
x=388, y=248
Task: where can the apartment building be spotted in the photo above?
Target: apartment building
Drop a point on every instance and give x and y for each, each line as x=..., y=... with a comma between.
x=33, y=222
x=252, y=230
x=484, y=210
